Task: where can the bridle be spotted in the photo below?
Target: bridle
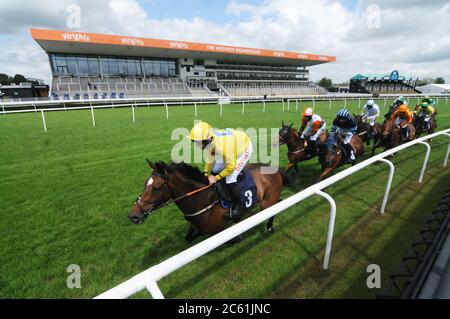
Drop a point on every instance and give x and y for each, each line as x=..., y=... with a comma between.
x=155, y=205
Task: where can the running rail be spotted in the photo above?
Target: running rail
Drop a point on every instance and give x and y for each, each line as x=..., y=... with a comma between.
x=148, y=279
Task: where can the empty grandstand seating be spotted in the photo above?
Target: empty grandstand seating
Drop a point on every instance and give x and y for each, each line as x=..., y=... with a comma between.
x=113, y=87
x=272, y=89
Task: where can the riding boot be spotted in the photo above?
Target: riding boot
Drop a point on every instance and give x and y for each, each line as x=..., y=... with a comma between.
x=237, y=208
x=350, y=156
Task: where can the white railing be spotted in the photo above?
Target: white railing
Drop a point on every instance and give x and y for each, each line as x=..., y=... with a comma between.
x=286, y=104
x=148, y=279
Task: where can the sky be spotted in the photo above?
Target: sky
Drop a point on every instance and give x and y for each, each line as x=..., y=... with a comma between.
x=366, y=36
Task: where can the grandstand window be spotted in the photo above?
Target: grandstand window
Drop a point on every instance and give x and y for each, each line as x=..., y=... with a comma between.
x=72, y=65
x=83, y=67
x=164, y=68
x=157, y=68
x=93, y=66
x=113, y=66
x=122, y=64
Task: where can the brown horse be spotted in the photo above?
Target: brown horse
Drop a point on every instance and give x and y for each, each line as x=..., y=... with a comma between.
x=189, y=188
x=330, y=155
x=363, y=130
x=298, y=150
x=392, y=136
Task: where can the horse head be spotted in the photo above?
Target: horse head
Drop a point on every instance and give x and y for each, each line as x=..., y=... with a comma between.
x=286, y=133
x=155, y=195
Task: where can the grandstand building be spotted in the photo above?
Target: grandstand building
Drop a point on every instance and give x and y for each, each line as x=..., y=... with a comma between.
x=86, y=65
x=382, y=83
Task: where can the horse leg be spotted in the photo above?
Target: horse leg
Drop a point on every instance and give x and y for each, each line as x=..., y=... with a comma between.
x=324, y=174
x=289, y=167
x=192, y=233
x=296, y=167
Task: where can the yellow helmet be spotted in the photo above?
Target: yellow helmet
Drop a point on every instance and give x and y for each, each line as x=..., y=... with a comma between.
x=200, y=132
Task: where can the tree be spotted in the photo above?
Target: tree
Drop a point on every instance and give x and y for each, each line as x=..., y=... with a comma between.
x=439, y=80
x=5, y=79
x=325, y=83
x=19, y=78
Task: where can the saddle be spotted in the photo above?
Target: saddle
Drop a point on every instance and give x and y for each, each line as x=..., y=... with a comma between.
x=248, y=191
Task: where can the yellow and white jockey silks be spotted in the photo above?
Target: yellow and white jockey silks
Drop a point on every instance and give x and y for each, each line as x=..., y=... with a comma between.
x=230, y=150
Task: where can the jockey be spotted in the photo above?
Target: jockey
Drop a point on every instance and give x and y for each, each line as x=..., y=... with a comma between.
x=429, y=100
x=426, y=111
x=399, y=101
x=402, y=117
x=345, y=125
x=228, y=151
x=312, y=126
x=370, y=114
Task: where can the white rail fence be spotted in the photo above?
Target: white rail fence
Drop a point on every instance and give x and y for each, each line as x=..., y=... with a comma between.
x=286, y=105
x=148, y=279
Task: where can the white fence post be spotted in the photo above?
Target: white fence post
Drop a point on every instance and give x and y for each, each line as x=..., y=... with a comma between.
x=93, y=118
x=132, y=110
x=389, y=183
x=243, y=107
x=167, y=111
x=424, y=166
x=3, y=107
x=154, y=290
x=448, y=152
x=326, y=258
x=221, y=109
x=43, y=120
x=264, y=106
x=314, y=104
x=329, y=108
x=289, y=105
x=195, y=109
x=283, y=104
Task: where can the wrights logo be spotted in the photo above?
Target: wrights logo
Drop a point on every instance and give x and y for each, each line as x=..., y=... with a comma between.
x=132, y=41
x=79, y=37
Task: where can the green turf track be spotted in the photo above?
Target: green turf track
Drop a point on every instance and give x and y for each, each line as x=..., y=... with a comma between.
x=65, y=195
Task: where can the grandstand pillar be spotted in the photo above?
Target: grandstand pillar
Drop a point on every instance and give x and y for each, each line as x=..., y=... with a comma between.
x=43, y=120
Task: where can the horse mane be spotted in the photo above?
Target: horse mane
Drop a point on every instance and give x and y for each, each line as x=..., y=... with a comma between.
x=188, y=171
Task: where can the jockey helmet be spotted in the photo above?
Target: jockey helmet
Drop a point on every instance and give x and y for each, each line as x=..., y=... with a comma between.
x=403, y=108
x=343, y=113
x=424, y=105
x=200, y=132
x=308, y=112
x=370, y=103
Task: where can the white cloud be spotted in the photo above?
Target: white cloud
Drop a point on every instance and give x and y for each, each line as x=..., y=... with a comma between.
x=413, y=35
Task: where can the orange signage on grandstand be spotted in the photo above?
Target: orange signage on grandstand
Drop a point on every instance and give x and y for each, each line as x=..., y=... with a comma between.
x=69, y=36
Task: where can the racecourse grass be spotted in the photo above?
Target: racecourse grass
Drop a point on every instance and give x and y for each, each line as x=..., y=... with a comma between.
x=65, y=195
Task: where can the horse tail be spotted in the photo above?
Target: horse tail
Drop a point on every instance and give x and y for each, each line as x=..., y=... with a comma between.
x=287, y=180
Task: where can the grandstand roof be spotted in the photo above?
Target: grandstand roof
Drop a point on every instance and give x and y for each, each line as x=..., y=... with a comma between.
x=57, y=41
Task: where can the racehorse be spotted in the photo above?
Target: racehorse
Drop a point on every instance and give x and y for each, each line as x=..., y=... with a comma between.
x=199, y=201
x=392, y=136
x=297, y=147
x=330, y=155
x=363, y=130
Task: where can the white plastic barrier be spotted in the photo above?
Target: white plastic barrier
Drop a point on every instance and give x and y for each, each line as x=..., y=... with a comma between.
x=149, y=278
